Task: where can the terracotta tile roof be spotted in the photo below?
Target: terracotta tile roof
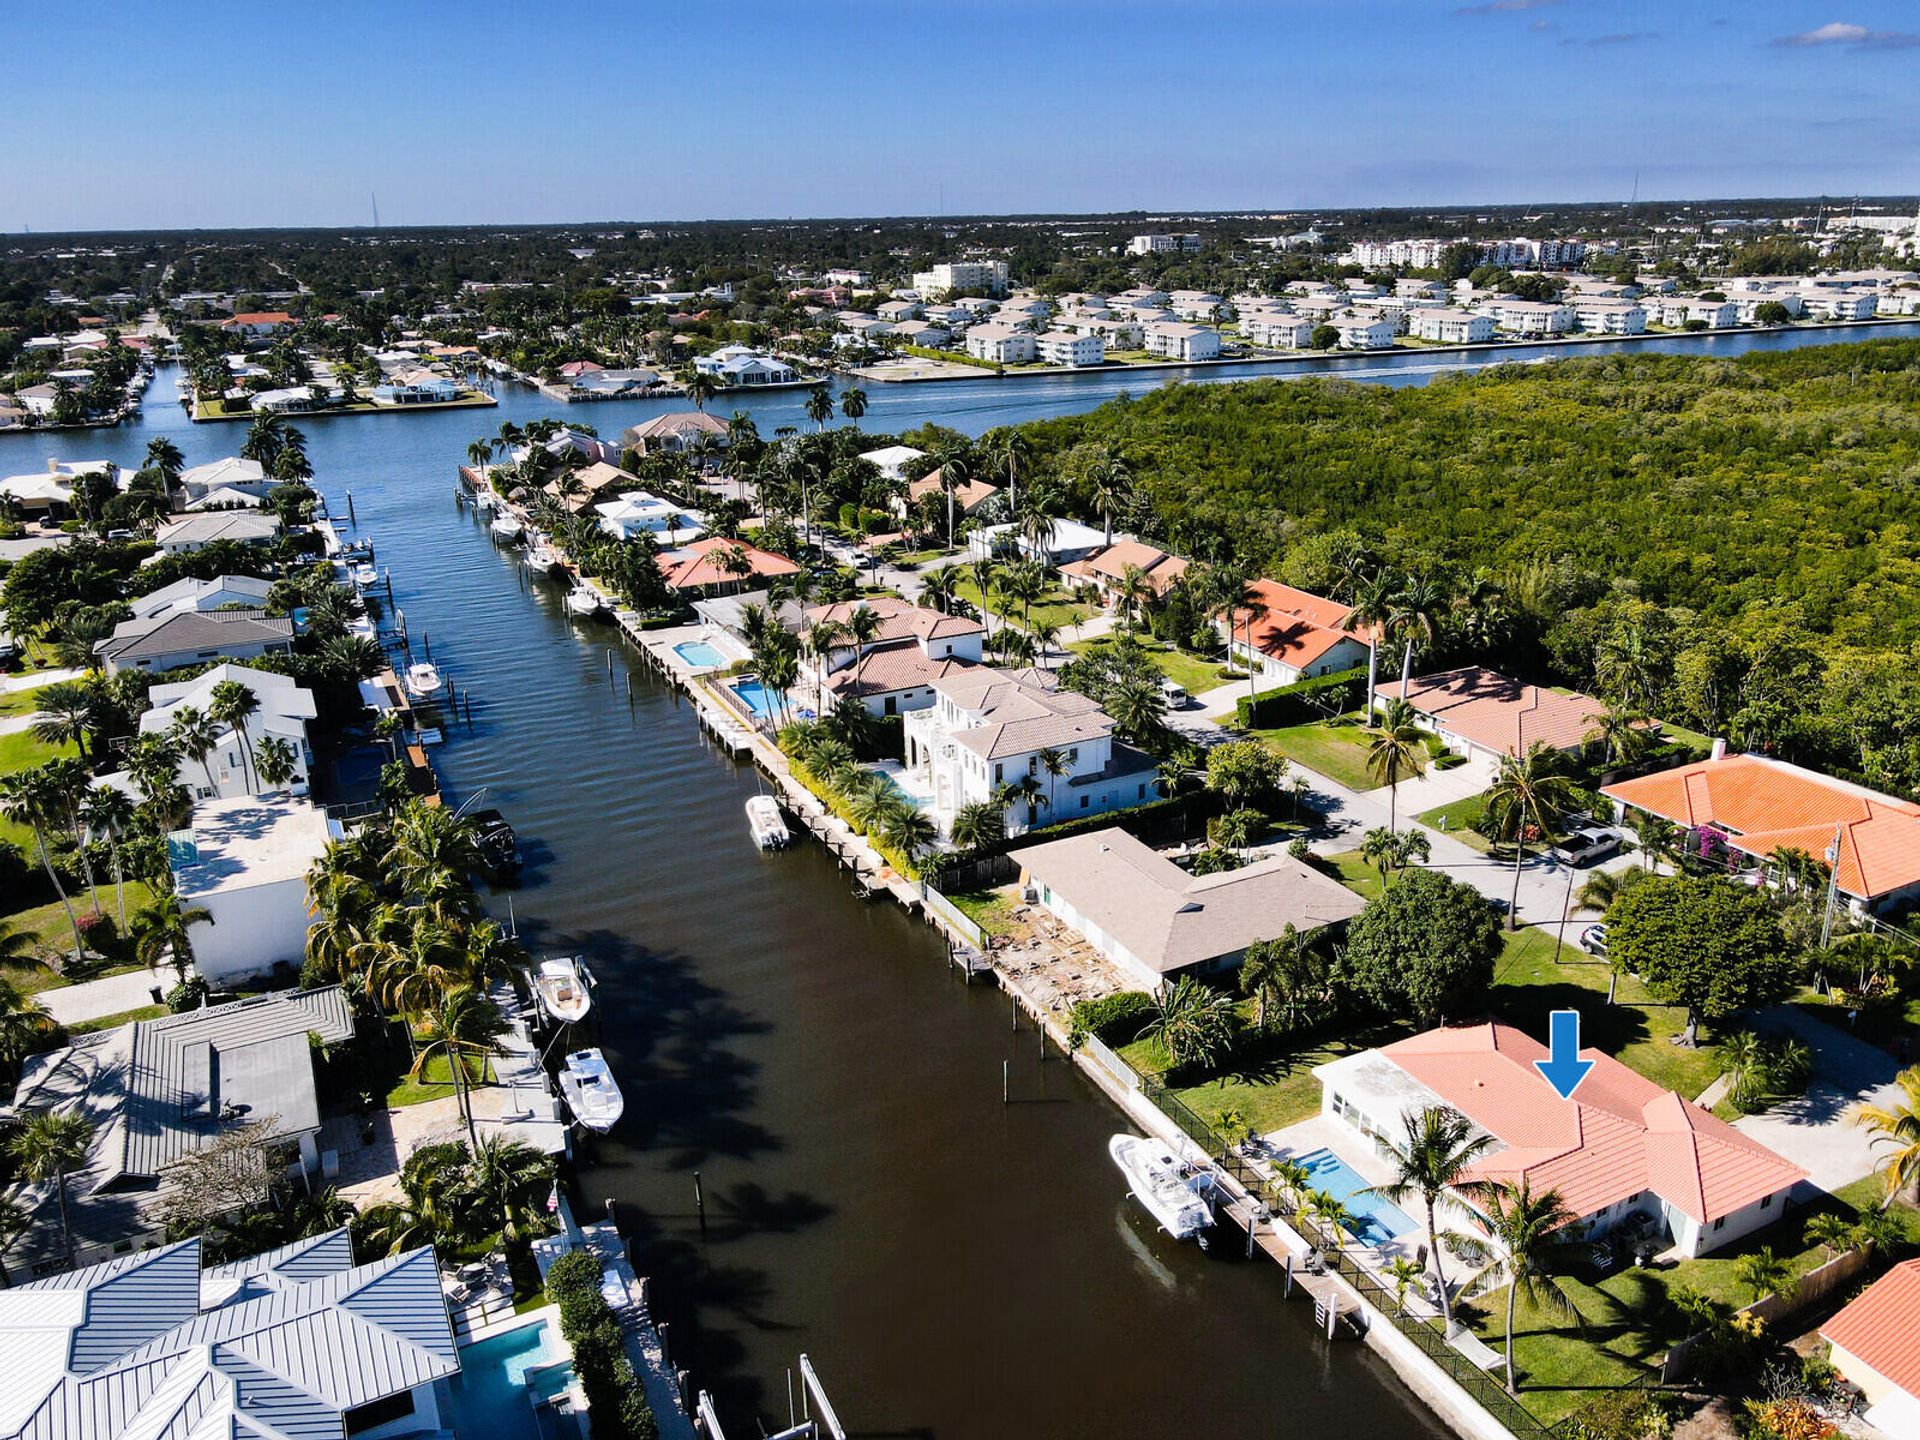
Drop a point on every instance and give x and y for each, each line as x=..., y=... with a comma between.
x=1765, y=804
x=899, y=619
x=969, y=497
x=1488, y=709
x=890, y=669
x=1620, y=1134
x=259, y=317
x=1881, y=1328
x=1109, y=566
x=693, y=567
x=1298, y=627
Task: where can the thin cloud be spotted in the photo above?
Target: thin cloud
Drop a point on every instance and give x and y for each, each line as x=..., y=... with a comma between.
x=1504, y=7
x=1623, y=37
x=1854, y=37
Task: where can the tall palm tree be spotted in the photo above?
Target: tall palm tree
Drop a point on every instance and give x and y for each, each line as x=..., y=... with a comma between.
x=1009, y=453
x=1431, y=1165
x=1897, y=1125
x=936, y=587
x=1531, y=1229
x=1396, y=752
x=1529, y=791
x=462, y=1026
x=108, y=811
x=67, y=784
x=163, y=455
x=233, y=703
x=1135, y=593
x=1373, y=608
x=195, y=737
x=862, y=626
x=978, y=825
x=956, y=469
x=819, y=407
x=433, y=853
x=24, y=1021
x=479, y=456
x=1110, y=484
x=1240, y=600
x=853, y=404
x=68, y=712
x=1053, y=764
x=48, y=1144
x=1419, y=609
x=27, y=798
x=276, y=762
x=161, y=928
x=1622, y=731
x=700, y=387
x=514, y=1179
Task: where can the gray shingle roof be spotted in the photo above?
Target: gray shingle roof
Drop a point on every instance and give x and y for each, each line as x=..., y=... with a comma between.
x=191, y=630
x=246, y=526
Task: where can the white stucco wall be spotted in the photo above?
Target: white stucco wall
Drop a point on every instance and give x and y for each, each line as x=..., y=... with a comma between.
x=253, y=928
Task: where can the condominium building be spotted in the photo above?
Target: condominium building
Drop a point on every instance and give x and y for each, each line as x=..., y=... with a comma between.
x=1001, y=344
x=1063, y=347
x=1182, y=342
x=953, y=277
x=1451, y=327
x=1603, y=315
x=1162, y=244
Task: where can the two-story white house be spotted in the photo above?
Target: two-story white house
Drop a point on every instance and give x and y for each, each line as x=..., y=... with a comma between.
x=231, y=767
x=896, y=670
x=989, y=729
x=1063, y=347
x=1001, y=344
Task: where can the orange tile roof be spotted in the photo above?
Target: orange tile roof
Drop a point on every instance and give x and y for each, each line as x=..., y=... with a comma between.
x=970, y=495
x=1109, y=566
x=1486, y=708
x=1881, y=1327
x=694, y=566
x=1620, y=1134
x=260, y=317
x=1765, y=804
x=1297, y=626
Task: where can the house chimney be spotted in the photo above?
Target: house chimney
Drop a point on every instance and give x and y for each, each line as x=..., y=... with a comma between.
x=1719, y=751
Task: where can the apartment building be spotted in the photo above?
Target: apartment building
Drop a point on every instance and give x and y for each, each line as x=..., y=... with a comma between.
x=1175, y=341
x=1162, y=244
x=1001, y=344
x=1063, y=347
x=1451, y=327
x=956, y=277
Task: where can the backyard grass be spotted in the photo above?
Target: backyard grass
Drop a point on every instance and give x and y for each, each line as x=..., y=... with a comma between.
x=1195, y=674
x=435, y=1083
x=1052, y=608
x=114, y=1022
x=53, y=936
x=18, y=702
x=991, y=910
x=21, y=751
x=1356, y=874
x=1336, y=749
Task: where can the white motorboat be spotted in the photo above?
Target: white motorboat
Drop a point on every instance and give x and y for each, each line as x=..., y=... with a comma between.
x=769, y=829
x=1169, y=1189
x=506, y=527
x=540, y=557
x=591, y=1094
x=423, y=680
x=365, y=576
x=564, y=987
x=585, y=601
x=363, y=626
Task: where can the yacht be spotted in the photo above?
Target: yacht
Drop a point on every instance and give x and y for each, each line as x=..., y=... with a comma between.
x=585, y=601
x=506, y=527
x=423, y=680
x=591, y=1094
x=770, y=831
x=564, y=987
x=1169, y=1189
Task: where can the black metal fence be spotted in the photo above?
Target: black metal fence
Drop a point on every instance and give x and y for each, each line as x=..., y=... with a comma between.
x=1489, y=1393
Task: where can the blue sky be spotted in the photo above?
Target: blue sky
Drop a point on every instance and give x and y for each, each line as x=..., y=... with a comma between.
x=206, y=113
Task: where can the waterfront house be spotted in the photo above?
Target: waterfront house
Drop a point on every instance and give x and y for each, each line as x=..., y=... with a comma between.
x=577, y=488
x=258, y=324
x=196, y=532
x=1365, y=330
x=245, y=860
x=1106, y=570
x=728, y=612
x=158, y=1090
x=634, y=513
x=1157, y=921
x=1173, y=340
x=418, y=386
x=1875, y=1343
x=987, y=730
x=564, y=443
x=896, y=671
x=228, y=769
x=1620, y=1147
x=606, y=384
x=1758, y=806
x=715, y=564
x=189, y=637
x=1451, y=327
x=1064, y=347
x=1278, y=330
x=1001, y=344
x=230, y=481
x=1482, y=714
x=892, y=460
x=676, y=434
x=219, y=593
x=967, y=497
x=736, y=366
x=298, y=1341
x=1296, y=635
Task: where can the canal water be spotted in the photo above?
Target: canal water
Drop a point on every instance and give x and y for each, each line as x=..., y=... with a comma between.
x=954, y=1266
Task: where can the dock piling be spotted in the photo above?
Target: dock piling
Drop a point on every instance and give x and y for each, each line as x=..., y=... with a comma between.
x=426, y=644
x=1006, y=1081
x=351, y=518
x=700, y=1201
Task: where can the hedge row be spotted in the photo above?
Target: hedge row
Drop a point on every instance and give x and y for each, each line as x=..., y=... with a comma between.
x=1305, y=701
x=1112, y=1019
x=616, y=1403
x=1134, y=820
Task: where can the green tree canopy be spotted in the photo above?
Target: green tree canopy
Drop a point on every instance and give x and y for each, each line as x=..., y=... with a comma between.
x=1425, y=948
x=1709, y=944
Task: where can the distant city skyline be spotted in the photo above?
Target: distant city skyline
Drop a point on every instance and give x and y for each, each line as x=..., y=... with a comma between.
x=150, y=116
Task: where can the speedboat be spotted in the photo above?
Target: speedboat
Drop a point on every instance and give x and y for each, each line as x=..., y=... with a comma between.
x=499, y=846
x=1168, y=1189
x=770, y=831
x=362, y=625
x=585, y=601
x=365, y=576
x=540, y=557
x=506, y=527
x=563, y=988
x=485, y=502
x=591, y=1094
x=423, y=680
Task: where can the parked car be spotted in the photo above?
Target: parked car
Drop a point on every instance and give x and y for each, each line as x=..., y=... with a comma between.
x=1175, y=693
x=1593, y=939
x=1587, y=846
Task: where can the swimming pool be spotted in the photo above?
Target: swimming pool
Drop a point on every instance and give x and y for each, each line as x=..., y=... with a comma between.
x=492, y=1395
x=1375, y=1221
x=764, y=703
x=699, y=654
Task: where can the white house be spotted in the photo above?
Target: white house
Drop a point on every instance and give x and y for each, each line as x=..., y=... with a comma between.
x=221, y=592
x=1278, y=330
x=1175, y=341
x=736, y=365
x=1825, y=304
x=1062, y=347
x=233, y=480
x=892, y=460
x=1690, y=309
x=1365, y=332
x=245, y=861
x=1296, y=635
x=196, y=532
x=1001, y=344
x=635, y=513
x=1530, y=317
x=231, y=767
x=1451, y=327
x=188, y=637
x=988, y=730
x=896, y=670
x=1748, y=302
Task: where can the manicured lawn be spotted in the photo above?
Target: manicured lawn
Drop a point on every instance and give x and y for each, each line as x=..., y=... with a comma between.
x=435, y=1083
x=21, y=751
x=18, y=702
x=1457, y=819
x=54, y=936
x=991, y=910
x=114, y=1022
x=1356, y=874
x=1053, y=608
x=1192, y=673
x=1336, y=749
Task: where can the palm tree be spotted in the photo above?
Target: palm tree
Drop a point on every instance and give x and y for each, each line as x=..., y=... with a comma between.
x=1528, y=792
x=24, y=1021
x=276, y=762
x=819, y=406
x=1263, y=977
x=1529, y=1227
x=1602, y=887
x=701, y=387
x=1331, y=1211
x=1403, y=1273
x=1622, y=731
x=1419, y=609
x=1193, y=1022
x=47, y=1144
x=936, y=588
x=67, y=782
x=1240, y=597
x=907, y=829
x=108, y=811
x=1111, y=489
x=1396, y=752
x=1022, y=792
x=1659, y=837
x=479, y=456
x=1372, y=609
x=1431, y=1164
x=862, y=626
x=515, y=1179
x=1762, y=1273
x=1832, y=1232
x=433, y=852
x=1743, y=1060
x=853, y=404
x=1898, y=1125
x=1009, y=452
x=194, y=736
x=68, y=711
x=27, y=798
x=1135, y=593
x=163, y=455
x=978, y=825
x=233, y=704
x=462, y=1027
x=956, y=469
x=161, y=927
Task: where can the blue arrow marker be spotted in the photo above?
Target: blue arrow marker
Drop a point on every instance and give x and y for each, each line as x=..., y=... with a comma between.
x=1563, y=1067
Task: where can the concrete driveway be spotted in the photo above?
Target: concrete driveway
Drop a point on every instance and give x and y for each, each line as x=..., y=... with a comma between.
x=1440, y=787
x=1813, y=1130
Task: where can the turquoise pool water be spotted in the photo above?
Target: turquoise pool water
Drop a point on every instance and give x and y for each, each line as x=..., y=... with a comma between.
x=491, y=1397
x=699, y=654
x=764, y=703
x=1375, y=1221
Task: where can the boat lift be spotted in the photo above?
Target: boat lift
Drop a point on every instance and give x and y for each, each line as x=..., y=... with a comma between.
x=816, y=1419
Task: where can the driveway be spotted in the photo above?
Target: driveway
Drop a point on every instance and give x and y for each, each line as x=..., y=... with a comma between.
x=1441, y=787
x=1813, y=1129
x=115, y=995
